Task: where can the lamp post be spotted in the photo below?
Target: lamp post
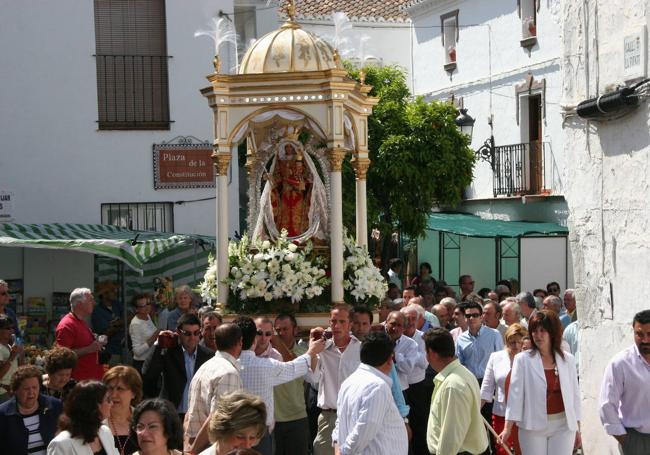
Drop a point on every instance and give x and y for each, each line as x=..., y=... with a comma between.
x=465, y=122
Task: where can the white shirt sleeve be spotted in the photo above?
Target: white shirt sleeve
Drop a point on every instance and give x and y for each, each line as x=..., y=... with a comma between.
x=369, y=423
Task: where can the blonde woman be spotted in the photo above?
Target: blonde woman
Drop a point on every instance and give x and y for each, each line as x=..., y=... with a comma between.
x=238, y=422
x=497, y=376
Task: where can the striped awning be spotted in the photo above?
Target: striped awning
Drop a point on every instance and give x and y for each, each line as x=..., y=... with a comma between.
x=139, y=250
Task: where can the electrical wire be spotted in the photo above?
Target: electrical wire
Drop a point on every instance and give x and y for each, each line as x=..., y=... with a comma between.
x=189, y=201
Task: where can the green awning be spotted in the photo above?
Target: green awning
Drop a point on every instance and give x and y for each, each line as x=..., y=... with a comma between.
x=139, y=250
x=474, y=226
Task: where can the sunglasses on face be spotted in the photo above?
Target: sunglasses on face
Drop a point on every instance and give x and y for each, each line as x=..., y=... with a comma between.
x=472, y=315
x=187, y=333
x=261, y=333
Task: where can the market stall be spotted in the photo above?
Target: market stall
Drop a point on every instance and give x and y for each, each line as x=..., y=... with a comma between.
x=131, y=259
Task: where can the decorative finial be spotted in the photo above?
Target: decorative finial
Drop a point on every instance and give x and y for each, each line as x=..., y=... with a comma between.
x=337, y=58
x=217, y=64
x=291, y=10
x=362, y=77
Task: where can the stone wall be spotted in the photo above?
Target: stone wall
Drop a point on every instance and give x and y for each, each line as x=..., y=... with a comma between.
x=606, y=189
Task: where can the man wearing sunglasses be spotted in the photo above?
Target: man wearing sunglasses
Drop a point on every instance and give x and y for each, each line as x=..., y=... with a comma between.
x=263, y=346
x=176, y=364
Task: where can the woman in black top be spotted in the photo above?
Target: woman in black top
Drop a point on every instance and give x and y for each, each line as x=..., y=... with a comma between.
x=59, y=363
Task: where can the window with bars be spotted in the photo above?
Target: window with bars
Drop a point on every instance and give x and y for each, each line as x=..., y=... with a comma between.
x=131, y=60
x=140, y=216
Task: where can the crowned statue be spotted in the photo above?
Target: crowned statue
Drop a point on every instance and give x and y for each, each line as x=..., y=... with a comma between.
x=294, y=197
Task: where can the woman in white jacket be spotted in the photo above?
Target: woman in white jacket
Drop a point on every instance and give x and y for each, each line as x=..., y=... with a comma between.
x=544, y=399
x=497, y=371
x=83, y=433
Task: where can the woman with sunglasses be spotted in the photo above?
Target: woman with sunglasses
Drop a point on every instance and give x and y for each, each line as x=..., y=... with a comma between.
x=544, y=400
x=142, y=330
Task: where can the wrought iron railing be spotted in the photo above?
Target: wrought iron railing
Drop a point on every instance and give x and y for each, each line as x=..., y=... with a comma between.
x=520, y=169
x=132, y=91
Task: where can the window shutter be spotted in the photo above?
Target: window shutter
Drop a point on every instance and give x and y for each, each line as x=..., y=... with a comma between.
x=132, y=73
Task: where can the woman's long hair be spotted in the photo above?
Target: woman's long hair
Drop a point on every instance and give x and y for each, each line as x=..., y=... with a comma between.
x=549, y=321
x=82, y=417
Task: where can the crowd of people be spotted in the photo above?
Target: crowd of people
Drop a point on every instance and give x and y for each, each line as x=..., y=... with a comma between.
x=431, y=372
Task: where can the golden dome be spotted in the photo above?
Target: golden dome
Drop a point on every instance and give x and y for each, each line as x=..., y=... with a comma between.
x=288, y=49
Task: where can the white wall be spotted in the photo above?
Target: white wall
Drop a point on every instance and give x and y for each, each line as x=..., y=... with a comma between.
x=490, y=63
x=607, y=197
x=389, y=42
x=60, y=167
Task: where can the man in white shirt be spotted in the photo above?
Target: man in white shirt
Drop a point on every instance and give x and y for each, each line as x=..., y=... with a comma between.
x=368, y=420
x=406, y=350
x=418, y=394
x=259, y=375
x=339, y=359
x=624, y=393
x=492, y=317
x=395, y=268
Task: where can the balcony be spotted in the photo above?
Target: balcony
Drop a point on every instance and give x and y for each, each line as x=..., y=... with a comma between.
x=132, y=92
x=522, y=169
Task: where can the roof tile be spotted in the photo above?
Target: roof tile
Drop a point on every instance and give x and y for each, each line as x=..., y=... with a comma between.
x=368, y=10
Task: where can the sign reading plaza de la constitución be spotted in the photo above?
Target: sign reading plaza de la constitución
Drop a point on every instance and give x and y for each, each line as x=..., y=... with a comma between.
x=183, y=165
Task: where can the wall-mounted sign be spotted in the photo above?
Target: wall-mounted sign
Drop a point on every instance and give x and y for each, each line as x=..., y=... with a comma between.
x=635, y=55
x=6, y=206
x=183, y=162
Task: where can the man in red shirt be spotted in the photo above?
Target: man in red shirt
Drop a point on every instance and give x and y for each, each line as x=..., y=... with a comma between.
x=73, y=332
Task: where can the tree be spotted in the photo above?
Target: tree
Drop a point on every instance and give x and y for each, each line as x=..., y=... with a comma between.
x=420, y=159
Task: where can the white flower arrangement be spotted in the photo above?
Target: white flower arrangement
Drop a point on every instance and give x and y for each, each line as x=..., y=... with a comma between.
x=268, y=270
x=208, y=287
x=361, y=279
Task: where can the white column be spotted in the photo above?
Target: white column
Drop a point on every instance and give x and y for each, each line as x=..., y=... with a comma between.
x=221, y=161
x=362, y=217
x=361, y=165
x=336, y=224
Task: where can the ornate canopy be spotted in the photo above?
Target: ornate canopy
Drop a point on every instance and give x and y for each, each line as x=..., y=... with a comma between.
x=300, y=114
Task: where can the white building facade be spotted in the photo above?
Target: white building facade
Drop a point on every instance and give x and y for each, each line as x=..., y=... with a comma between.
x=501, y=62
x=607, y=191
x=380, y=34
x=91, y=87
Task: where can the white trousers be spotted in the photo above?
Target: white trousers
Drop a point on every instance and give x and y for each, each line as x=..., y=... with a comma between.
x=555, y=439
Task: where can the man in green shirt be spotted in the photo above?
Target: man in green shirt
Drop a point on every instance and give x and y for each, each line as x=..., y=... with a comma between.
x=455, y=424
x=291, y=433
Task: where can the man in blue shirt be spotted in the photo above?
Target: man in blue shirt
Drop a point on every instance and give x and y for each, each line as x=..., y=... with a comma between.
x=108, y=319
x=478, y=342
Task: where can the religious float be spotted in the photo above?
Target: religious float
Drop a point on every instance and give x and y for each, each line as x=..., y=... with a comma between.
x=299, y=114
